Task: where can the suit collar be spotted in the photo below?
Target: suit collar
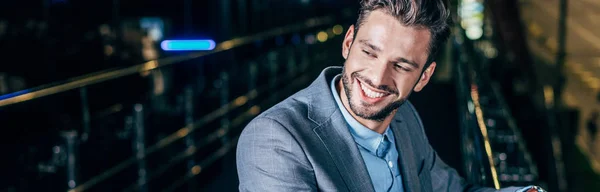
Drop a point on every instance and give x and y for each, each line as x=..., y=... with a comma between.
x=345, y=153
x=406, y=155
x=321, y=104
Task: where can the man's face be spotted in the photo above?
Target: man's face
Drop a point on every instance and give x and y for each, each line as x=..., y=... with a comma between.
x=384, y=64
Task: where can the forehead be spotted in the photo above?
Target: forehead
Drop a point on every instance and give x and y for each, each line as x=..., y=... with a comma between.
x=386, y=32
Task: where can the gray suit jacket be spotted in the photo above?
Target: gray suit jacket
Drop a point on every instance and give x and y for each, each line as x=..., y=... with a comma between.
x=303, y=144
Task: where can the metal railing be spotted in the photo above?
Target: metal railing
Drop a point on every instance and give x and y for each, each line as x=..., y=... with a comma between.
x=233, y=112
x=476, y=151
x=493, y=148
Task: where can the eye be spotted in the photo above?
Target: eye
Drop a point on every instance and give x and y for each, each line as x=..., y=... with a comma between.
x=398, y=66
x=368, y=53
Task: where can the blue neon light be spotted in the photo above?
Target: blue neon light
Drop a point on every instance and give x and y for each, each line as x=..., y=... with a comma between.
x=187, y=45
x=14, y=94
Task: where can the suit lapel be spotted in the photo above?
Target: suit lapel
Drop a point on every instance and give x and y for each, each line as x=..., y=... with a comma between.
x=345, y=153
x=406, y=160
x=332, y=130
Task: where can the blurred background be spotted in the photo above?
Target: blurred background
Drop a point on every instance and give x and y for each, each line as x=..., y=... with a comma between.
x=151, y=95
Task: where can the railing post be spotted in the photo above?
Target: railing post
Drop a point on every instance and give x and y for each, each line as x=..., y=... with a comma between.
x=253, y=74
x=71, y=143
x=305, y=61
x=189, y=121
x=225, y=6
x=560, y=56
x=128, y=127
x=256, y=16
x=558, y=101
x=85, y=111
x=291, y=63
x=242, y=17
x=139, y=147
x=188, y=18
x=273, y=68
x=224, y=85
x=116, y=23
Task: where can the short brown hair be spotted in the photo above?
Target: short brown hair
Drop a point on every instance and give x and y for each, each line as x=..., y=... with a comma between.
x=432, y=14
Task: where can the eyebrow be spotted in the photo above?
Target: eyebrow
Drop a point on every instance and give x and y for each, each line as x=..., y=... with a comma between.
x=377, y=49
x=370, y=45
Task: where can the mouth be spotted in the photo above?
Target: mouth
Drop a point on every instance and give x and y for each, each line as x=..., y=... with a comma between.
x=369, y=94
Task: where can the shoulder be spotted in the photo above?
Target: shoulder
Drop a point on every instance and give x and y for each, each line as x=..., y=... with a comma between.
x=291, y=111
x=285, y=117
x=269, y=151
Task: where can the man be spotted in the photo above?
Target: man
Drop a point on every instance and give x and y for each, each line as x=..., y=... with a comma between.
x=355, y=131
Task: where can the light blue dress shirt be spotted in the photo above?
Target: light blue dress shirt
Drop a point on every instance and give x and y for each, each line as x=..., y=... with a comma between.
x=384, y=171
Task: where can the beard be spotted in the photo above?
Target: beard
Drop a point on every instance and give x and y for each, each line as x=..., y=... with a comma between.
x=361, y=109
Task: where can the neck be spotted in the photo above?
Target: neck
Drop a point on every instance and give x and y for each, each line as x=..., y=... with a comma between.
x=377, y=126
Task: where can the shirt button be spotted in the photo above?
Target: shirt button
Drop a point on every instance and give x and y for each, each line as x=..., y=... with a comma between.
x=390, y=164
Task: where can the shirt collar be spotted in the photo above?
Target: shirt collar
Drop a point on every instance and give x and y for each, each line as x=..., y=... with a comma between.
x=363, y=136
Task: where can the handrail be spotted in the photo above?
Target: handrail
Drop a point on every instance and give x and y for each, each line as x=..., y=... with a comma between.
x=511, y=125
x=298, y=77
x=474, y=81
x=484, y=133
x=473, y=93
x=98, y=77
x=221, y=132
x=182, y=133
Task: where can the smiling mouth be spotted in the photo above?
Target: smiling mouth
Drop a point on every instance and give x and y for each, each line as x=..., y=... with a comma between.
x=370, y=93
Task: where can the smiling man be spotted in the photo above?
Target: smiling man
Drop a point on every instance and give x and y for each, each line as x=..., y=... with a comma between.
x=353, y=129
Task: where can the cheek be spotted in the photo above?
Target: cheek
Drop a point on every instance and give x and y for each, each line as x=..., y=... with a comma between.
x=405, y=85
x=353, y=59
x=357, y=57
x=353, y=65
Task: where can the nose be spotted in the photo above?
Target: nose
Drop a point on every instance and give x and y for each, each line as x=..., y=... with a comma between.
x=378, y=73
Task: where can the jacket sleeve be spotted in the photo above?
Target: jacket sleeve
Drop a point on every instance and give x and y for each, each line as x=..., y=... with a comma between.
x=268, y=158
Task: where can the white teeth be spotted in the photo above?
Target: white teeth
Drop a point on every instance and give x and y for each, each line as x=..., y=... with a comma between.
x=371, y=94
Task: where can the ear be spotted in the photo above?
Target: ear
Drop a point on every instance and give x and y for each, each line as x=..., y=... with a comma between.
x=425, y=77
x=347, y=43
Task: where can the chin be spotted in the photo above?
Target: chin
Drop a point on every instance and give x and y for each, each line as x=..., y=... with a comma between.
x=376, y=112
